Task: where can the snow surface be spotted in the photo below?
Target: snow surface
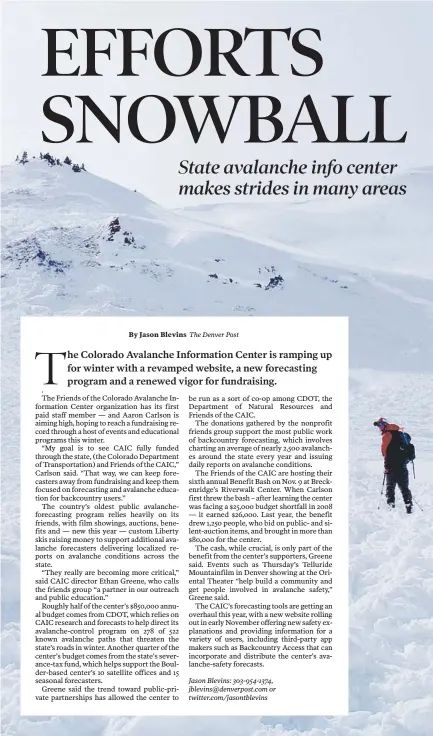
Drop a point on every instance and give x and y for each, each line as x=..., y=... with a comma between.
x=63, y=253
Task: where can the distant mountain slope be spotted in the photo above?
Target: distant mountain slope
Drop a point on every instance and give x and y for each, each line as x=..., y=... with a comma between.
x=401, y=225
x=77, y=244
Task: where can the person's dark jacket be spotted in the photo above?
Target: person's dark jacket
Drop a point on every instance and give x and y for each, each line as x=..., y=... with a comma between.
x=392, y=452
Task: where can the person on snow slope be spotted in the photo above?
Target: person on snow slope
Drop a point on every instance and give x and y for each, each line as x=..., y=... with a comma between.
x=395, y=463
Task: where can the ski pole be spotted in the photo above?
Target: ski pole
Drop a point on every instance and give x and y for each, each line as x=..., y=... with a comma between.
x=381, y=492
x=414, y=499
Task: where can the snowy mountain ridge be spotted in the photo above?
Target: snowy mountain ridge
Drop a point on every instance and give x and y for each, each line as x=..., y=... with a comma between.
x=156, y=261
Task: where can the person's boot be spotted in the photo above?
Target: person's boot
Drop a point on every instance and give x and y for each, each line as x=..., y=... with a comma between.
x=391, y=504
x=409, y=508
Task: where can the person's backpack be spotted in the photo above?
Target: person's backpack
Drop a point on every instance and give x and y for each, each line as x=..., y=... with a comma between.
x=407, y=447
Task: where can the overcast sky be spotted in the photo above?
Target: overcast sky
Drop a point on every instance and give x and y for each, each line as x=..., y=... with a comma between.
x=368, y=48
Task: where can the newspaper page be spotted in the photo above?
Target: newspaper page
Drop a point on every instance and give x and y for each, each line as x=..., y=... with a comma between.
x=216, y=368
x=189, y=520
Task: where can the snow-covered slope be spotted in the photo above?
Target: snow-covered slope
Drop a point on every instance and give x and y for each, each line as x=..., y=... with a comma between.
x=403, y=226
x=76, y=244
